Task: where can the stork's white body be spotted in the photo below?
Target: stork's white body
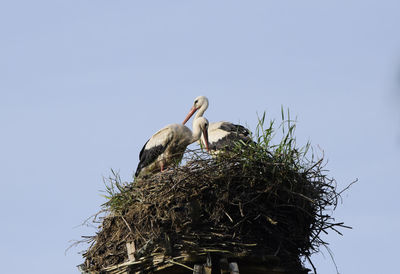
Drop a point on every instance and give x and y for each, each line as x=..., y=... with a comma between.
x=223, y=135
x=168, y=145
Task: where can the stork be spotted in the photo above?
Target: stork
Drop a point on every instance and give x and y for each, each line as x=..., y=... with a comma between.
x=221, y=135
x=168, y=145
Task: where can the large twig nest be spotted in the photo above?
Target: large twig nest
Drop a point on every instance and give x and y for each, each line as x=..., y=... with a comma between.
x=249, y=202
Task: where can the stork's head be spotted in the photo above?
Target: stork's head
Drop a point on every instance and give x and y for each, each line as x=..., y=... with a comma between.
x=201, y=104
x=202, y=124
x=200, y=101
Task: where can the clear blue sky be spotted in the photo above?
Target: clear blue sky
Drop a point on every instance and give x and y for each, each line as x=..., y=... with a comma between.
x=83, y=84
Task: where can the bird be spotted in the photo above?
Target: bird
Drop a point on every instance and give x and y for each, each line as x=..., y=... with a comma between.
x=221, y=135
x=168, y=145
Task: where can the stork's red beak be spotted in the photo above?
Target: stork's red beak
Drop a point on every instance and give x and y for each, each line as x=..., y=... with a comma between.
x=205, y=133
x=191, y=112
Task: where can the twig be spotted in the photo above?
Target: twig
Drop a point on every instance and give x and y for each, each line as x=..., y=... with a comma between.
x=127, y=224
x=183, y=265
x=311, y=263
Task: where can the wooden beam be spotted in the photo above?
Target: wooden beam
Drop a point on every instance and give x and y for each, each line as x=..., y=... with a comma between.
x=198, y=269
x=130, y=247
x=234, y=268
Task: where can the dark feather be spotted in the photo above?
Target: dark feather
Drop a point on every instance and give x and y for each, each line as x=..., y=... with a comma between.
x=235, y=133
x=148, y=156
x=228, y=141
x=238, y=129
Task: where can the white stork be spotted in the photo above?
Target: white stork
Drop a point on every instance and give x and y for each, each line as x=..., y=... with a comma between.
x=221, y=135
x=168, y=145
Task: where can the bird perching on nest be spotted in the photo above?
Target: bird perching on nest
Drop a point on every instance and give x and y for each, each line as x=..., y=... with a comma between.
x=221, y=135
x=168, y=145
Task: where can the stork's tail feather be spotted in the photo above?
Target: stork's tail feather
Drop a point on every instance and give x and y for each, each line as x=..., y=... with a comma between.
x=139, y=168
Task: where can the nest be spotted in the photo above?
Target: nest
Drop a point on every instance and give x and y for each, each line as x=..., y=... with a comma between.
x=245, y=203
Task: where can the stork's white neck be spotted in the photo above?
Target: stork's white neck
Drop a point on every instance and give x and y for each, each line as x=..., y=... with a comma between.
x=196, y=134
x=201, y=110
x=198, y=125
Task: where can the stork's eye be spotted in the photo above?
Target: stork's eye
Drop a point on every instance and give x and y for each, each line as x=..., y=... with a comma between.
x=195, y=102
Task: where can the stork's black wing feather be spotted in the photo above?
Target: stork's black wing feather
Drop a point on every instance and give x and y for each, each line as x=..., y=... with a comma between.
x=235, y=133
x=239, y=129
x=148, y=156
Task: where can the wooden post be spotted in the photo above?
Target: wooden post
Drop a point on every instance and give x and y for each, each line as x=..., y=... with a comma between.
x=207, y=270
x=215, y=264
x=234, y=268
x=208, y=265
x=201, y=269
x=198, y=269
x=130, y=247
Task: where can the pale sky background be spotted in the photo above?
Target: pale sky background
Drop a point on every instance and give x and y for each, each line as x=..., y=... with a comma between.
x=83, y=84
